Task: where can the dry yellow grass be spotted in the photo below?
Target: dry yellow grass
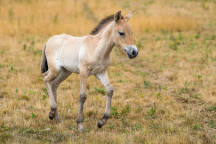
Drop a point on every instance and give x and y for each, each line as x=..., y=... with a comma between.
x=75, y=17
x=166, y=95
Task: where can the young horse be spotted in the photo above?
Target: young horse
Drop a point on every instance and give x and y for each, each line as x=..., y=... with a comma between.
x=88, y=55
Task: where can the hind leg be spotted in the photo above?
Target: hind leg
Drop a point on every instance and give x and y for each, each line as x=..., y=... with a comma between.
x=48, y=77
x=52, y=79
x=55, y=84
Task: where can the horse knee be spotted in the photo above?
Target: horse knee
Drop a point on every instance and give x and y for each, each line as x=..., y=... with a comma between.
x=110, y=90
x=82, y=97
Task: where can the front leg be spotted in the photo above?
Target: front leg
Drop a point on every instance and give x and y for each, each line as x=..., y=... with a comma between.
x=103, y=78
x=82, y=98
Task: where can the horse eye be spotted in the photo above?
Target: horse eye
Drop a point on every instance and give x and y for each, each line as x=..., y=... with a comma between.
x=121, y=33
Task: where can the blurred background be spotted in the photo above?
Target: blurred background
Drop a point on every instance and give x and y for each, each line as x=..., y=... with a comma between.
x=165, y=95
x=78, y=17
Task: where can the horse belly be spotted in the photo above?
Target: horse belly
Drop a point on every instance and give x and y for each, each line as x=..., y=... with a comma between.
x=71, y=65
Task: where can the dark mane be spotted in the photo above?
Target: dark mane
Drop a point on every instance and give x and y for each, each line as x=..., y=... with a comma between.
x=102, y=24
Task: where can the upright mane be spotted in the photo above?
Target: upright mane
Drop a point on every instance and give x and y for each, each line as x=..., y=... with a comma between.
x=102, y=24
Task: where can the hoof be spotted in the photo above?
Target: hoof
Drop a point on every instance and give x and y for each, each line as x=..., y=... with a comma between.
x=99, y=125
x=51, y=116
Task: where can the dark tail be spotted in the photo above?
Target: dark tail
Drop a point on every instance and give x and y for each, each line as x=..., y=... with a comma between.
x=44, y=65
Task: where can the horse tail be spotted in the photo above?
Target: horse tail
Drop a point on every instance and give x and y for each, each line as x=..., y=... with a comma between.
x=44, y=65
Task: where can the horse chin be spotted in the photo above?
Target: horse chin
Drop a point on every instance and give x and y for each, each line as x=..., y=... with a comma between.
x=130, y=57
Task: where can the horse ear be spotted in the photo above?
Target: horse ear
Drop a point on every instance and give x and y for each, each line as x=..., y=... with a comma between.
x=117, y=16
x=128, y=16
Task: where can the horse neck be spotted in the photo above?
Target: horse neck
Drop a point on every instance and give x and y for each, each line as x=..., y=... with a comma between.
x=105, y=43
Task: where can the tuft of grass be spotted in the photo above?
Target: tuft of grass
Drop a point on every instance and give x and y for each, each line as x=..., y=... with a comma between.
x=197, y=36
x=31, y=106
x=212, y=108
x=4, y=133
x=115, y=112
x=43, y=97
x=100, y=90
x=197, y=96
x=150, y=113
x=126, y=110
x=185, y=89
x=33, y=115
x=136, y=127
x=211, y=124
x=196, y=127
x=147, y=84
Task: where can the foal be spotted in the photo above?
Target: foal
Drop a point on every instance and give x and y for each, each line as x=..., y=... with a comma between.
x=89, y=55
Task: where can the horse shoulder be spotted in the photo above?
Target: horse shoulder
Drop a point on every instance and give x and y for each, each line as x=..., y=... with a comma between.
x=70, y=53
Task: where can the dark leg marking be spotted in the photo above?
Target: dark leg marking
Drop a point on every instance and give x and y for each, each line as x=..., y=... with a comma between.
x=99, y=125
x=102, y=121
x=52, y=114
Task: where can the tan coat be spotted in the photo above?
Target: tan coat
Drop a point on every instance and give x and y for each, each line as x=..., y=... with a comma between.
x=89, y=55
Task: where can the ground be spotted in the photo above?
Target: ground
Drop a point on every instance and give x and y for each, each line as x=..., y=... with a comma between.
x=165, y=95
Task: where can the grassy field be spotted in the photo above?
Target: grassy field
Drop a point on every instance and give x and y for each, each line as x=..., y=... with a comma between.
x=165, y=95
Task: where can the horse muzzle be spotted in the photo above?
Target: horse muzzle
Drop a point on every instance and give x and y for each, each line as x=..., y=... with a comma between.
x=131, y=51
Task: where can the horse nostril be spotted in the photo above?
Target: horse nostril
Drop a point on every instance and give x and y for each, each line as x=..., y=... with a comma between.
x=133, y=52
